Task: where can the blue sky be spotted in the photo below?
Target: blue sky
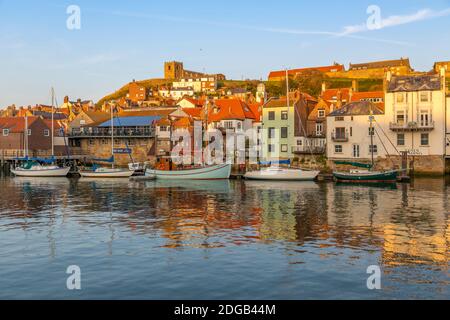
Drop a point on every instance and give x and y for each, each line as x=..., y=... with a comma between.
x=124, y=40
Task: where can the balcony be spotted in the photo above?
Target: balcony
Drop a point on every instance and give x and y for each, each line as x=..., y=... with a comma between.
x=411, y=126
x=128, y=132
x=308, y=150
x=340, y=137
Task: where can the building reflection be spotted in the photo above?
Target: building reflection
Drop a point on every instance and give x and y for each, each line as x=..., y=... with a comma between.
x=407, y=225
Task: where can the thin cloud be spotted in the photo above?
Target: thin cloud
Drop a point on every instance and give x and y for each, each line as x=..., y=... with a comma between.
x=398, y=20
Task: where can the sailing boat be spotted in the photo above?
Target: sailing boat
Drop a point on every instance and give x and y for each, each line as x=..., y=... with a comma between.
x=104, y=172
x=368, y=175
x=277, y=173
x=40, y=167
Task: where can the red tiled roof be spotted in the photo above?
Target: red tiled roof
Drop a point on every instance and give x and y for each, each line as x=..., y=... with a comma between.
x=193, y=112
x=293, y=72
x=230, y=109
x=256, y=108
x=16, y=124
x=332, y=94
x=195, y=102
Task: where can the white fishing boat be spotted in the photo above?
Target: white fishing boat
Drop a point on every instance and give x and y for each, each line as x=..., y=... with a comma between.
x=38, y=170
x=217, y=172
x=282, y=174
x=40, y=167
x=103, y=172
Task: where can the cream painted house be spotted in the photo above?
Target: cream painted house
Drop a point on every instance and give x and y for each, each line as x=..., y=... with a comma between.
x=412, y=128
x=348, y=132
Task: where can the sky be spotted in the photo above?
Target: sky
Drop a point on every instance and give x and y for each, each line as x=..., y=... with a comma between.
x=119, y=41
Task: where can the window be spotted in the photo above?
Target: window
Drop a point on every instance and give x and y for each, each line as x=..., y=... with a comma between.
x=424, y=97
x=271, y=133
x=163, y=128
x=271, y=148
x=339, y=119
x=46, y=133
x=371, y=131
x=424, y=139
x=104, y=141
x=29, y=132
x=401, y=117
x=375, y=149
x=321, y=113
x=131, y=142
x=400, y=139
x=337, y=149
x=299, y=142
x=284, y=115
x=5, y=132
x=340, y=133
x=284, y=133
x=401, y=98
x=228, y=125
x=319, y=129
x=91, y=142
x=424, y=118
x=284, y=148
x=272, y=115
x=239, y=126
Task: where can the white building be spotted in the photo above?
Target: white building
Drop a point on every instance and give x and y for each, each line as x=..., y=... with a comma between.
x=206, y=84
x=348, y=132
x=177, y=93
x=412, y=127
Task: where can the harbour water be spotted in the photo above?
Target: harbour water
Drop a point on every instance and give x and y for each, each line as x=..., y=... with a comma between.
x=223, y=240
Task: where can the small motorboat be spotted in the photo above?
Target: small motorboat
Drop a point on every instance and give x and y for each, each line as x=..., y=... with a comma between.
x=282, y=174
x=106, y=173
x=217, y=172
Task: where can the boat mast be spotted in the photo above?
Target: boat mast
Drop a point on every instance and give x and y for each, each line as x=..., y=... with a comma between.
x=371, y=131
x=53, y=125
x=287, y=98
x=26, y=136
x=112, y=132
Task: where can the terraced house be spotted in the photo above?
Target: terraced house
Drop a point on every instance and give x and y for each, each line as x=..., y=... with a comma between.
x=409, y=133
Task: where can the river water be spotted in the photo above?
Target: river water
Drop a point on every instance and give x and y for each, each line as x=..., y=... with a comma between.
x=223, y=240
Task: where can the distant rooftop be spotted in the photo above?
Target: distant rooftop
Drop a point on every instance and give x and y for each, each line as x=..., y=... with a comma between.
x=403, y=62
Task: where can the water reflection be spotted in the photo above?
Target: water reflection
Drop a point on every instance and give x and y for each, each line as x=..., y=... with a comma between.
x=407, y=225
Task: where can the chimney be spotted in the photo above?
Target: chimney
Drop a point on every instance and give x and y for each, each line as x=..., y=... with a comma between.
x=387, y=80
x=324, y=87
x=355, y=85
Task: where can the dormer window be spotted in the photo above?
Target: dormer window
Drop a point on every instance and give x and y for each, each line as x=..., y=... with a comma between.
x=5, y=132
x=424, y=97
x=401, y=97
x=321, y=113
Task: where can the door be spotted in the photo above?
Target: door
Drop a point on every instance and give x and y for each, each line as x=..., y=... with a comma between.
x=424, y=120
x=356, y=153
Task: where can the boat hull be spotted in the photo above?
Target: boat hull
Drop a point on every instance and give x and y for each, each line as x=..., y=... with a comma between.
x=370, y=177
x=57, y=172
x=282, y=175
x=107, y=174
x=218, y=172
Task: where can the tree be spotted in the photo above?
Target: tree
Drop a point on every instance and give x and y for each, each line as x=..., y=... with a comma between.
x=310, y=82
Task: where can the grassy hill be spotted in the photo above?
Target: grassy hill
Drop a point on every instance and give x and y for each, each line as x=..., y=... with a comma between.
x=274, y=88
x=122, y=92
